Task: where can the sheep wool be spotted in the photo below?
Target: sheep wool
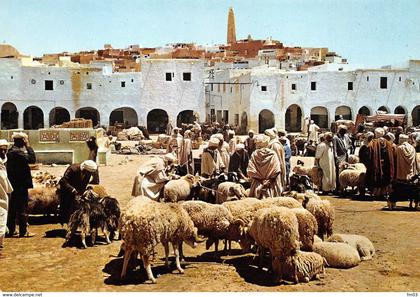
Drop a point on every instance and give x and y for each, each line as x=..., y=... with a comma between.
x=228, y=191
x=324, y=213
x=307, y=227
x=277, y=230
x=361, y=243
x=180, y=189
x=308, y=265
x=43, y=200
x=337, y=254
x=281, y=202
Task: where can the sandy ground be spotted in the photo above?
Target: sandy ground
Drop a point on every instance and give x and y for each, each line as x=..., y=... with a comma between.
x=41, y=264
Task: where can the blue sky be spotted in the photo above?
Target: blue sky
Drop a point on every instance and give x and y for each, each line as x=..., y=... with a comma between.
x=368, y=32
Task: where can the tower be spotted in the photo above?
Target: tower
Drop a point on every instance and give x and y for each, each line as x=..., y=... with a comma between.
x=231, y=30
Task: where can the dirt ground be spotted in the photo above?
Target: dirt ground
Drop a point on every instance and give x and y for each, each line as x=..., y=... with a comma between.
x=41, y=264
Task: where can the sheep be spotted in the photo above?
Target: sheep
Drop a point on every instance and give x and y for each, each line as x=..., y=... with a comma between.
x=308, y=266
x=317, y=239
x=352, y=175
x=361, y=243
x=315, y=173
x=228, y=191
x=281, y=202
x=212, y=220
x=147, y=223
x=180, y=189
x=307, y=227
x=277, y=229
x=99, y=190
x=353, y=159
x=323, y=211
x=43, y=200
x=338, y=254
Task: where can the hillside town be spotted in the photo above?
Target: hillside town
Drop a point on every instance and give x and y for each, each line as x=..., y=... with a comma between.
x=244, y=166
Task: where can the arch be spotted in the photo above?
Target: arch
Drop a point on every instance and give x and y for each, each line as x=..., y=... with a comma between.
x=157, y=121
x=265, y=120
x=319, y=115
x=364, y=110
x=383, y=108
x=58, y=115
x=185, y=117
x=89, y=113
x=33, y=118
x=416, y=115
x=344, y=112
x=126, y=115
x=9, y=116
x=293, y=118
x=400, y=110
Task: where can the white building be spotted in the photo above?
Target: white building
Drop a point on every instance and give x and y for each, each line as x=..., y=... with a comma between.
x=34, y=95
x=284, y=98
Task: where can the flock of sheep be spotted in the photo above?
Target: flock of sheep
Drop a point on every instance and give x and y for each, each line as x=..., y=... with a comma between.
x=290, y=230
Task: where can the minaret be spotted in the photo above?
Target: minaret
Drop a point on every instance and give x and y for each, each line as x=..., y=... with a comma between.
x=231, y=30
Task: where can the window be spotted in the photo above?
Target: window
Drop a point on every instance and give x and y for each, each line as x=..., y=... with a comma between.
x=224, y=87
x=33, y=81
x=313, y=85
x=168, y=76
x=49, y=85
x=399, y=78
x=123, y=84
x=89, y=86
x=211, y=87
x=264, y=88
x=384, y=81
x=293, y=87
x=236, y=119
x=186, y=76
x=11, y=77
x=350, y=86
x=132, y=80
x=367, y=78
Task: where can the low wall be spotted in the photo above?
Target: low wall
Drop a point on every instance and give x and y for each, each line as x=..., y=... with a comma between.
x=59, y=145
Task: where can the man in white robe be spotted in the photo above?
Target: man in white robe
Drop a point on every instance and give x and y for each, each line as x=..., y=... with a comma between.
x=313, y=132
x=211, y=161
x=324, y=158
x=5, y=190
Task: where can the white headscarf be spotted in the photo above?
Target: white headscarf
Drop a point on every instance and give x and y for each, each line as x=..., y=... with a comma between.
x=89, y=165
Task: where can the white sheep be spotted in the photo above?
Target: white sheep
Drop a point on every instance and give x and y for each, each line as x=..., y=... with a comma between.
x=352, y=177
x=146, y=223
x=179, y=189
x=315, y=173
x=323, y=211
x=337, y=254
x=43, y=200
x=212, y=220
x=353, y=159
x=361, y=243
x=280, y=202
x=228, y=191
x=277, y=229
x=307, y=266
x=307, y=227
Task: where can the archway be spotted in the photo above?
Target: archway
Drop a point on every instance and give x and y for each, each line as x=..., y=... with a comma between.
x=293, y=118
x=89, y=113
x=126, y=115
x=9, y=116
x=33, y=118
x=400, y=110
x=364, y=111
x=319, y=115
x=265, y=120
x=58, y=115
x=343, y=112
x=416, y=115
x=185, y=117
x=383, y=108
x=157, y=121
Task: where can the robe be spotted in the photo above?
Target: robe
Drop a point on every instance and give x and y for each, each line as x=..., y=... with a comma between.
x=313, y=132
x=211, y=162
x=250, y=145
x=232, y=145
x=239, y=162
x=185, y=156
x=264, y=172
x=278, y=148
x=406, y=165
x=150, y=179
x=325, y=156
x=224, y=155
x=5, y=189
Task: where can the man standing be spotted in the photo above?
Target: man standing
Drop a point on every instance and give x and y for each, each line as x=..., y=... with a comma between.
x=287, y=156
x=264, y=171
x=342, y=144
x=239, y=161
x=250, y=142
x=5, y=190
x=406, y=165
x=73, y=184
x=185, y=158
x=211, y=161
x=19, y=157
x=324, y=158
x=278, y=148
x=313, y=132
